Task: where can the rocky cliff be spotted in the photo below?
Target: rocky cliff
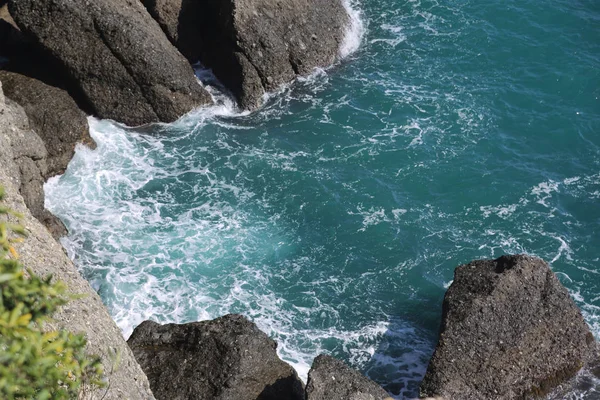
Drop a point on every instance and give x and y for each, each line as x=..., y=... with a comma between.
x=20, y=146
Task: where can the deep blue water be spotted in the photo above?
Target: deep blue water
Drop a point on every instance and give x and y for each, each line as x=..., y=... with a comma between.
x=334, y=216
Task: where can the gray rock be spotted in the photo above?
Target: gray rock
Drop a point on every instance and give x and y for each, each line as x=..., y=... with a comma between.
x=228, y=358
x=254, y=46
x=509, y=331
x=331, y=379
x=53, y=115
x=40, y=252
x=179, y=20
x=114, y=56
x=29, y=156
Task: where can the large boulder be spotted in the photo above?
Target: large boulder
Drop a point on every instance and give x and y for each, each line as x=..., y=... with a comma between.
x=228, y=358
x=114, y=57
x=53, y=115
x=254, y=46
x=331, y=379
x=509, y=331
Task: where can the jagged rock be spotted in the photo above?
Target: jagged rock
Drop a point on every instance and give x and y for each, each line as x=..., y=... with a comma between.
x=258, y=45
x=85, y=312
x=509, y=331
x=331, y=379
x=53, y=115
x=179, y=20
x=29, y=155
x=228, y=358
x=114, y=56
x=254, y=46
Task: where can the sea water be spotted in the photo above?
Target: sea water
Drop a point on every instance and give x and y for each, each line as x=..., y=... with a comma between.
x=334, y=216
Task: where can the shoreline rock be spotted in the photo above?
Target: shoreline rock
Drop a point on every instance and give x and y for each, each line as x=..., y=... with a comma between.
x=121, y=64
x=255, y=46
x=331, y=379
x=227, y=358
x=509, y=330
x=53, y=115
x=52, y=125
x=44, y=255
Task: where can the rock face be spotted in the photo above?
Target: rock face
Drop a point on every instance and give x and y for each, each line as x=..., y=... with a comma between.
x=228, y=358
x=254, y=46
x=179, y=20
x=331, y=379
x=509, y=331
x=28, y=156
x=44, y=256
x=114, y=56
x=49, y=129
x=53, y=115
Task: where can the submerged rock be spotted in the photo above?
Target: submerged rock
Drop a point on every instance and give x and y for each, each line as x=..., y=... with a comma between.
x=254, y=46
x=228, y=358
x=509, y=331
x=114, y=55
x=331, y=379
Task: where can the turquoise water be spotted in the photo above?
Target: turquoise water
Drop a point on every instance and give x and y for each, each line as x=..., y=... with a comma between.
x=335, y=216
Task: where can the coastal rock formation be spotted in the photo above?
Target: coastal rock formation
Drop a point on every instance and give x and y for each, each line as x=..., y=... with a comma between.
x=40, y=252
x=28, y=155
x=179, y=19
x=509, y=330
x=228, y=358
x=331, y=379
x=114, y=56
x=53, y=115
x=254, y=46
x=257, y=45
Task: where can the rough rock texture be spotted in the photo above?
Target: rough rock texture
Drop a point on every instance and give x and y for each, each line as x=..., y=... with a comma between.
x=228, y=358
x=44, y=255
x=509, y=331
x=53, y=115
x=255, y=45
x=331, y=379
x=114, y=55
x=28, y=154
x=179, y=20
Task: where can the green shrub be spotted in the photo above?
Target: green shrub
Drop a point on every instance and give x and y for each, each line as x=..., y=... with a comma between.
x=34, y=363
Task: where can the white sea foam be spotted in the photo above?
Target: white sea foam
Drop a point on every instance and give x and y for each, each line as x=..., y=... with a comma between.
x=563, y=250
x=355, y=30
x=395, y=31
x=543, y=191
x=501, y=211
x=374, y=216
x=148, y=264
